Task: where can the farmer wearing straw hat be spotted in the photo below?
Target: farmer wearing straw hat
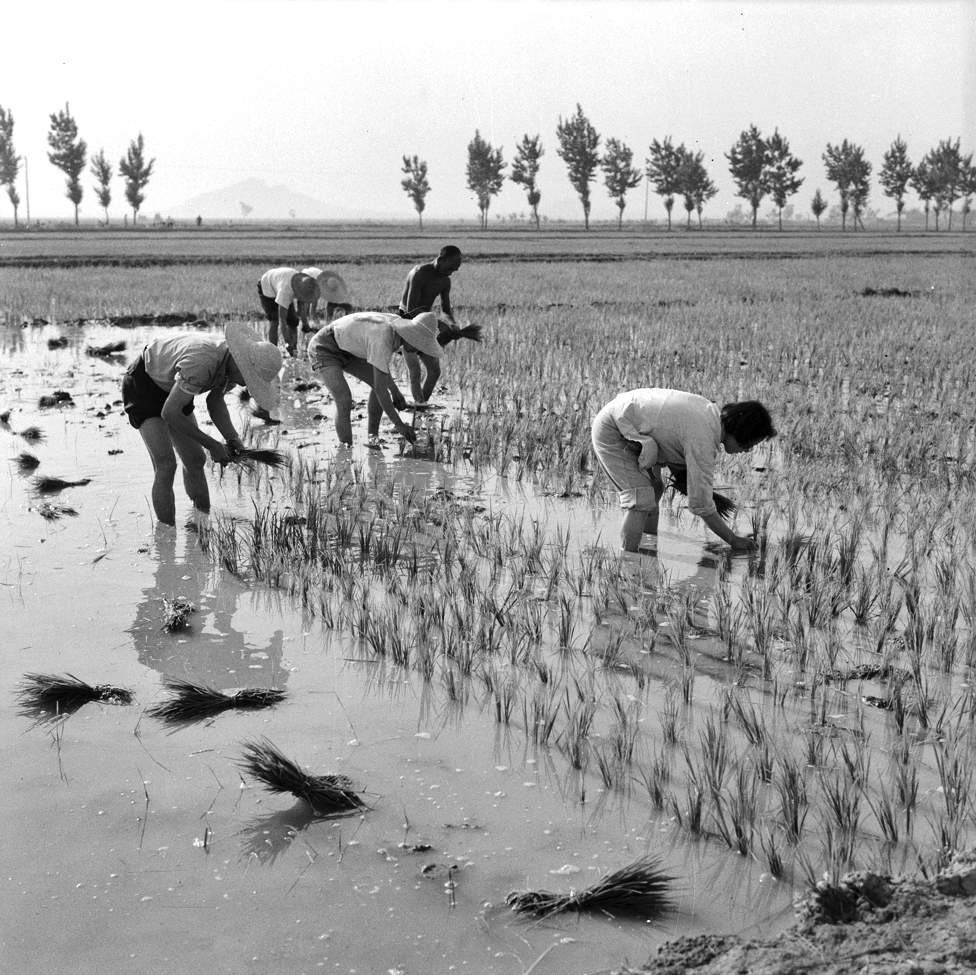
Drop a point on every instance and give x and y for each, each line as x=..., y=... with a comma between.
x=426, y=283
x=158, y=391
x=642, y=430
x=362, y=345
x=287, y=296
x=334, y=292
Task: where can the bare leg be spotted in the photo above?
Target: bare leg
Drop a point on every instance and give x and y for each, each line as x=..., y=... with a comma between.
x=412, y=361
x=335, y=381
x=373, y=413
x=634, y=525
x=193, y=458
x=290, y=334
x=155, y=435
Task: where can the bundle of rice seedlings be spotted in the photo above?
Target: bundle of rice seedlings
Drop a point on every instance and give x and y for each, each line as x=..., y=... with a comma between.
x=49, y=695
x=448, y=335
x=27, y=463
x=33, y=434
x=195, y=702
x=679, y=481
x=61, y=342
x=328, y=794
x=176, y=613
x=51, y=485
x=110, y=348
x=57, y=398
x=256, y=455
x=640, y=889
x=51, y=512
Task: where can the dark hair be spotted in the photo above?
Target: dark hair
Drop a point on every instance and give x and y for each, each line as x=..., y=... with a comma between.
x=449, y=250
x=749, y=422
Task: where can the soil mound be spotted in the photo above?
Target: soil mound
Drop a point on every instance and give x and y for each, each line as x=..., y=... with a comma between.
x=866, y=923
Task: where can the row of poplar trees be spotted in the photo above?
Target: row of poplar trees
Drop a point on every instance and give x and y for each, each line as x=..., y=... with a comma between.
x=761, y=166
x=69, y=153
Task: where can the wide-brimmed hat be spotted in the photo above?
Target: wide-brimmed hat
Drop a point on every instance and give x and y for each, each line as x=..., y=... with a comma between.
x=303, y=287
x=421, y=332
x=259, y=362
x=331, y=286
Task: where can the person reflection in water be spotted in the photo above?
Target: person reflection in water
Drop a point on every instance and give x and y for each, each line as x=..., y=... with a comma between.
x=213, y=650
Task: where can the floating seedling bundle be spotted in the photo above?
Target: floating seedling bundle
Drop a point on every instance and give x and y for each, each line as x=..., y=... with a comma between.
x=327, y=794
x=52, y=485
x=196, y=702
x=53, y=694
x=639, y=889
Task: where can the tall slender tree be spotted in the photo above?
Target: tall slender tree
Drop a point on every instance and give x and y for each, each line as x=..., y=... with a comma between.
x=781, y=172
x=415, y=184
x=69, y=153
x=818, y=204
x=968, y=192
x=895, y=174
x=697, y=187
x=662, y=168
x=485, y=177
x=747, y=164
x=923, y=182
x=579, y=149
x=619, y=175
x=103, y=172
x=525, y=171
x=948, y=168
x=850, y=172
x=9, y=160
x=136, y=170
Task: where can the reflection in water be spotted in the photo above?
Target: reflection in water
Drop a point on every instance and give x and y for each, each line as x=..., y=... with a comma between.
x=213, y=650
x=267, y=837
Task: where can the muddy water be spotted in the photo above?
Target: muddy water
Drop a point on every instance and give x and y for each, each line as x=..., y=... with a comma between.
x=131, y=847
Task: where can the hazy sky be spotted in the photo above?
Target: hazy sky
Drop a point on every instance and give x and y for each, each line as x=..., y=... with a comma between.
x=325, y=97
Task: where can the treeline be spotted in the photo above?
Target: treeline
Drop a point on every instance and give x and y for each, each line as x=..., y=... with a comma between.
x=69, y=153
x=761, y=166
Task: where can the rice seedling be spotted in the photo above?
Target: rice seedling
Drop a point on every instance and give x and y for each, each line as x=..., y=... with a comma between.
x=27, y=463
x=326, y=794
x=53, y=485
x=60, y=397
x=641, y=889
x=176, y=613
x=249, y=456
x=52, y=512
x=108, y=349
x=196, y=702
x=50, y=695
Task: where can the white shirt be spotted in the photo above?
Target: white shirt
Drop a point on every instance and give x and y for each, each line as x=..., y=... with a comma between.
x=193, y=363
x=276, y=284
x=367, y=335
x=676, y=429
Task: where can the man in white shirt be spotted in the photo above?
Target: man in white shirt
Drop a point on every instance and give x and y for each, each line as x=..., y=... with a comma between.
x=642, y=430
x=287, y=297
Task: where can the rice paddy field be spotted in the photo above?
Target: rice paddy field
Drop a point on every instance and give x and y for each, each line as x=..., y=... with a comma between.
x=473, y=702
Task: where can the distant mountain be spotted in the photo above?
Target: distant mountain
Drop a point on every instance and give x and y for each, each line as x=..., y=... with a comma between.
x=253, y=199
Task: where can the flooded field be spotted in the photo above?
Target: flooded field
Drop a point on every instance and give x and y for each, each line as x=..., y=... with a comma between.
x=518, y=708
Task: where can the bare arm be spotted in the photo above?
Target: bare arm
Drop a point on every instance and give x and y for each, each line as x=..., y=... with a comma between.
x=446, y=310
x=180, y=423
x=217, y=408
x=739, y=543
x=381, y=387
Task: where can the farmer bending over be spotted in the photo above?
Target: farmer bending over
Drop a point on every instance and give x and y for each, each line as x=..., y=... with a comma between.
x=426, y=283
x=287, y=296
x=333, y=290
x=158, y=391
x=642, y=430
x=362, y=345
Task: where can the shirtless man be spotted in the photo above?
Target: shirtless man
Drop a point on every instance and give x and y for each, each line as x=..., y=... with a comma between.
x=426, y=283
